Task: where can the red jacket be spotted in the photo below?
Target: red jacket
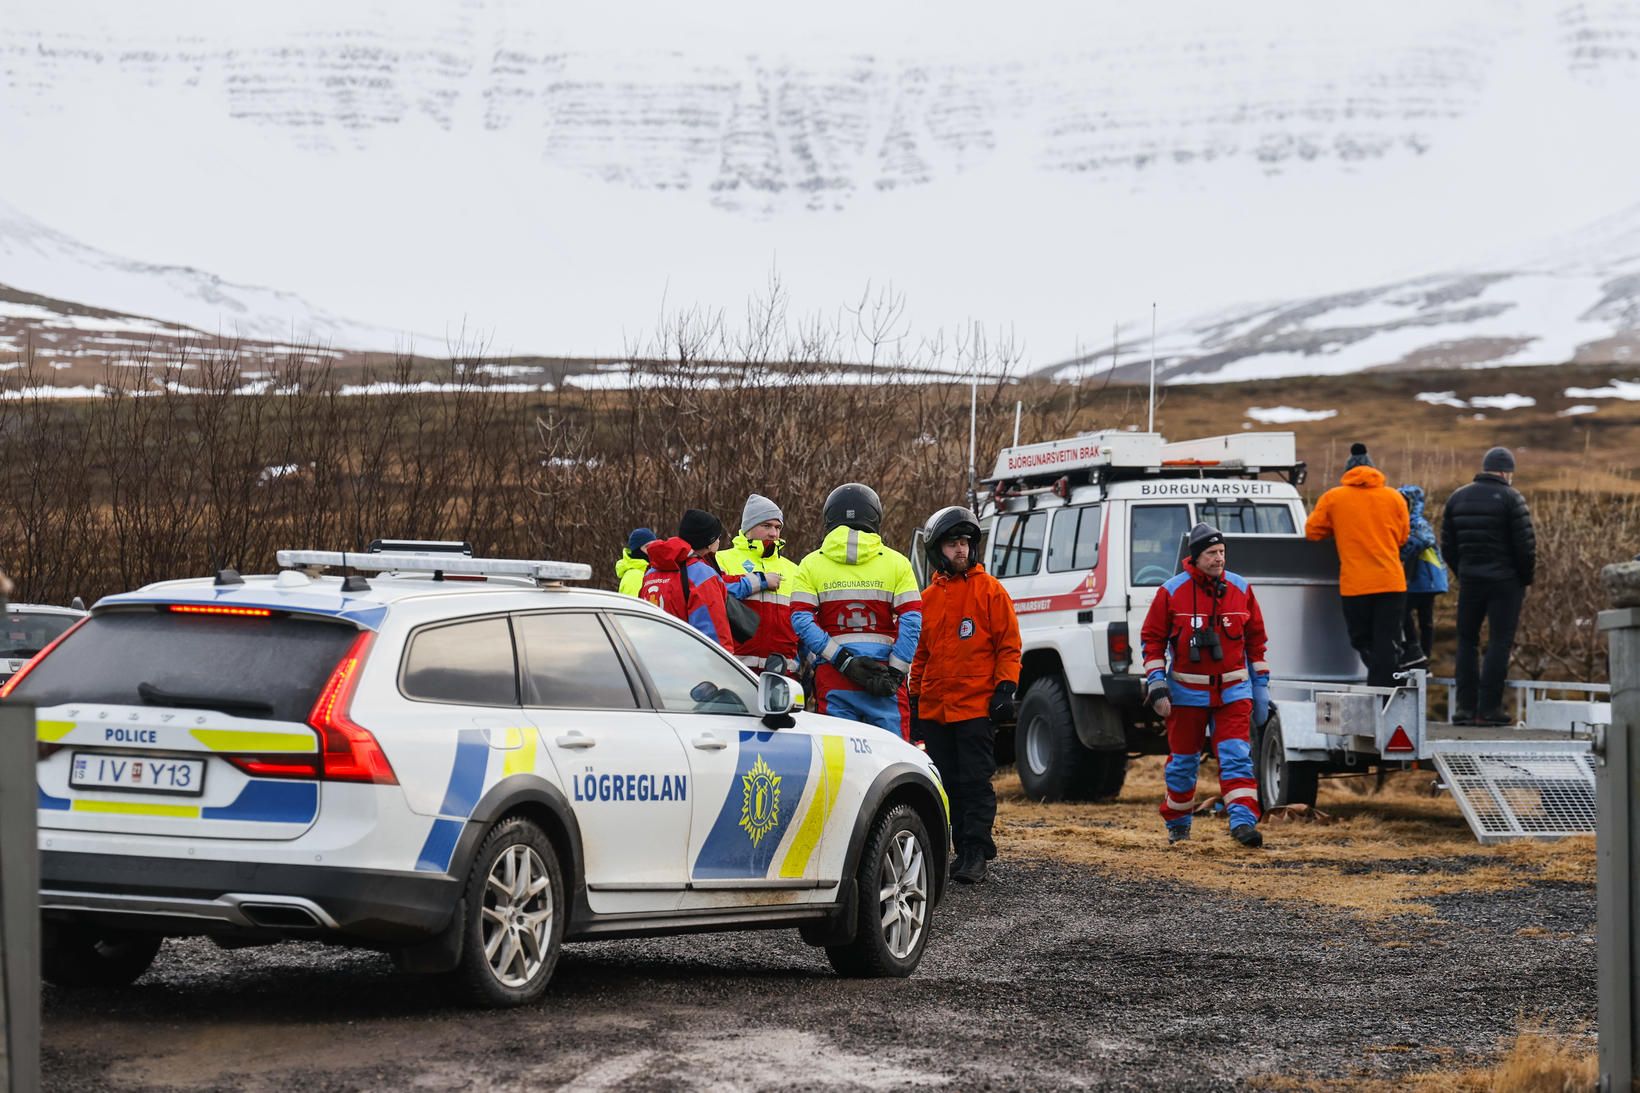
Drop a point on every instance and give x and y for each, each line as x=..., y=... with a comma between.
x=1186, y=603
x=969, y=644
x=688, y=588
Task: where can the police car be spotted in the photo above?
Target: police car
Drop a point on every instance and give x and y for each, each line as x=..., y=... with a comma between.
x=461, y=761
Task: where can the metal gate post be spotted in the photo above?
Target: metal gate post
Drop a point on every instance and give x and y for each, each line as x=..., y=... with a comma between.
x=19, y=903
x=1618, y=836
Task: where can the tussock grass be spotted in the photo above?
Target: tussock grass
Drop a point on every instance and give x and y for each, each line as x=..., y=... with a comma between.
x=1381, y=854
x=1540, y=1059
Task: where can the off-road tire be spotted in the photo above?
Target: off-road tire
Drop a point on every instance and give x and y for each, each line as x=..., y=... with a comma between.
x=474, y=979
x=91, y=956
x=1109, y=774
x=869, y=956
x=1280, y=781
x=1053, y=764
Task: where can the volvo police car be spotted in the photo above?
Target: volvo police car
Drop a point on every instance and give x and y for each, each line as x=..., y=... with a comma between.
x=460, y=761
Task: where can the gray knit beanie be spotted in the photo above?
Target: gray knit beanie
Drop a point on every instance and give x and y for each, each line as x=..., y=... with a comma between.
x=1358, y=457
x=1498, y=461
x=758, y=509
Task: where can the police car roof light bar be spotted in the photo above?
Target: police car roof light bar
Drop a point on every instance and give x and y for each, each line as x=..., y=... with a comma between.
x=434, y=563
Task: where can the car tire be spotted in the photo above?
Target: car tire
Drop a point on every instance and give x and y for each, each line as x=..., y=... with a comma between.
x=1282, y=781
x=515, y=917
x=1053, y=764
x=897, y=856
x=90, y=956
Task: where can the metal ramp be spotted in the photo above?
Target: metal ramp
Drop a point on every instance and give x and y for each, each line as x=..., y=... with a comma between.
x=1527, y=789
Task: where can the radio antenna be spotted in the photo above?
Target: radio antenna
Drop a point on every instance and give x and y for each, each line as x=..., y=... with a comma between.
x=1151, y=428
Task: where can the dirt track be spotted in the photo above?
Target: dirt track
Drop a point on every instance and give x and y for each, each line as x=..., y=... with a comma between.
x=1050, y=976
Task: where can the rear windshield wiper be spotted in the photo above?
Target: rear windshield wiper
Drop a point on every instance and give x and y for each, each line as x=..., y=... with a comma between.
x=153, y=696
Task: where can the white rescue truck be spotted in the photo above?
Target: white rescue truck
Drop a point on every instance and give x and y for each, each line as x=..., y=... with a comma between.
x=1083, y=531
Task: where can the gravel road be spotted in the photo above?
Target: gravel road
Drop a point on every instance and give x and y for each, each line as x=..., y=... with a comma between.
x=1049, y=976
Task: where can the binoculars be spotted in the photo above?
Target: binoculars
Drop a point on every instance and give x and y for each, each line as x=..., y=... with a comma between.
x=1205, y=637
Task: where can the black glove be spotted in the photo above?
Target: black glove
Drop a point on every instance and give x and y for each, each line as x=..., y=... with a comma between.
x=1003, y=706
x=1156, y=688
x=885, y=681
x=857, y=669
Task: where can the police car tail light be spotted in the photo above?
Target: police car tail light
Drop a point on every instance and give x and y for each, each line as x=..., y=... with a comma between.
x=347, y=750
x=277, y=766
x=11, y=684
x=1116, y=643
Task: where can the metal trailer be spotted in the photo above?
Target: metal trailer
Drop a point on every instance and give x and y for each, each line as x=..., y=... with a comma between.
x=1533, y=779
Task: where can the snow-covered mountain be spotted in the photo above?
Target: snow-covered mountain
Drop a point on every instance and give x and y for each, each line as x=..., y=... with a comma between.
x=552, y=176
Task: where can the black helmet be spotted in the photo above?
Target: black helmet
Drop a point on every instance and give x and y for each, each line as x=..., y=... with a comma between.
x=949, y=523
x=854, y=505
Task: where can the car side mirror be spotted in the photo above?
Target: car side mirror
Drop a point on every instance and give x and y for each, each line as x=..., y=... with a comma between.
x=777, y=696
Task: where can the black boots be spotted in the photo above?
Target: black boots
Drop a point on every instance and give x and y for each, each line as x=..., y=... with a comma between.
x=1247, y=835
x=970, y=868
x=1177, y=834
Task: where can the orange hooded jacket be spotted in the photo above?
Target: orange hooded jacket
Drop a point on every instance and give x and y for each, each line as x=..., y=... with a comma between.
x=969, y=644
x=1370, y=521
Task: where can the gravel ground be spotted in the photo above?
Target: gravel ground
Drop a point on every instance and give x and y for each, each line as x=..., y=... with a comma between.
x=1049, y=976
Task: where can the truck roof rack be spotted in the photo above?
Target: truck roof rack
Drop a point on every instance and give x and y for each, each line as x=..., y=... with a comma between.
x=1052, y=465
x=437, y=564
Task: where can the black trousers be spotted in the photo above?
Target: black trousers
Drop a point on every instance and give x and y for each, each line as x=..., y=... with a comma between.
x=1418, y=628
x=1496, y=603
x=1374, y=623
x=965, y=753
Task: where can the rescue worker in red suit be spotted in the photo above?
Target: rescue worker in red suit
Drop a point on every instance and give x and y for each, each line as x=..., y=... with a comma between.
x=683, y=579
x=1204, y=666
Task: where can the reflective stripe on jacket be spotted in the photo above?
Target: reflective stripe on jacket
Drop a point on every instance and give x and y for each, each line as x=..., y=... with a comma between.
x=858, y=595
x=969, y=644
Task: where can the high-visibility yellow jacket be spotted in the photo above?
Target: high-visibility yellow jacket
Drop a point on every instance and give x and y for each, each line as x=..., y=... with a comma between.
x=745, y=567
x=629, y=570
x=854, y=593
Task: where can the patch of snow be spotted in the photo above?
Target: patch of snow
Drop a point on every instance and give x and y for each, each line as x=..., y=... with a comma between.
x=1442, y=398
x=1503, y=402
x=1286, y=415
x=428, y=387
x=1575, y=411
x=1627, y=390
x=510, y=370
x=280, y=471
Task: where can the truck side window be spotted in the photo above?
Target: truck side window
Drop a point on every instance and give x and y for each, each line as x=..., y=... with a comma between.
x=1153, y=544
x=1017, y=544
x=1074, y=544
x=1240, y=518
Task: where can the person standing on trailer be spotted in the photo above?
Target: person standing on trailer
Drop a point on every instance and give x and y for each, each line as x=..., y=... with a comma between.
x=1369, y=522
x=1204, y=649
x=963, y=680
x=1426, y=579
x=1488, y=539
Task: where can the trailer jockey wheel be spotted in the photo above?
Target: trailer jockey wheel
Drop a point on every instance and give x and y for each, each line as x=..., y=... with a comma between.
x=1282, y=781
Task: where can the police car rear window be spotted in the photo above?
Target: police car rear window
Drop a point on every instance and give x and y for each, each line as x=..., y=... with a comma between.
x=261, y=667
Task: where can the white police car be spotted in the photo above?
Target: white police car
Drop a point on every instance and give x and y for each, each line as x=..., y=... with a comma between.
x=447, y=762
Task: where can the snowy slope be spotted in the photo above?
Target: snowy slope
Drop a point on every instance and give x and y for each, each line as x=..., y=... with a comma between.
x=551, y=176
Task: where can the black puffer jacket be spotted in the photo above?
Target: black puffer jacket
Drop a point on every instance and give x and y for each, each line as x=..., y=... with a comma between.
x=1486, y=533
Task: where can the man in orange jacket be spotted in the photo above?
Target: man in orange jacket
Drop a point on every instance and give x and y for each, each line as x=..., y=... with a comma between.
x=963, y=680
x=1369, y=521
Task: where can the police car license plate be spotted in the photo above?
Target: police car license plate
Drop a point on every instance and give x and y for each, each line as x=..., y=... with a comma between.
x=139, y=773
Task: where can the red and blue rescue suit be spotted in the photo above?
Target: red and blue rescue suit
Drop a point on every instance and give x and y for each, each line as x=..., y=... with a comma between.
x=1221, y=691
x=689, y=588
x=858, y=596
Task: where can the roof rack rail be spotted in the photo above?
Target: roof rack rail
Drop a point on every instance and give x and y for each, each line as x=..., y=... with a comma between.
x=384, y=562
